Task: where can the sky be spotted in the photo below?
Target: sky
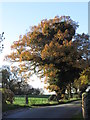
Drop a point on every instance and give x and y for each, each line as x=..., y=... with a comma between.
x=17, y=18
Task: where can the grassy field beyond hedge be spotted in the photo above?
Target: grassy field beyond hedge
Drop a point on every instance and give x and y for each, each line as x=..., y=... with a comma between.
x=39, y=100
x=32, y=100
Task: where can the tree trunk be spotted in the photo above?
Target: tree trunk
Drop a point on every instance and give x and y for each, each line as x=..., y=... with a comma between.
x=70, y=94
x=26, y=99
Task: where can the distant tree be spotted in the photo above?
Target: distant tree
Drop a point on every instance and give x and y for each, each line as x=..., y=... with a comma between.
x=5, y=77
x=20, y=80
x=1, y=40
x=36, y=91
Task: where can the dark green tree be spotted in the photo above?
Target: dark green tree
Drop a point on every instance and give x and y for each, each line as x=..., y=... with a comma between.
x=5, y=77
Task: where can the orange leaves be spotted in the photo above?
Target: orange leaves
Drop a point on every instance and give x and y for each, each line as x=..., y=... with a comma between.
x=45, y=28
x=46, y=47
x=51, y=66
x=66, y=32
x=52, y=50
x=53, y=88
x=14, y=56
x=51, y=73
x=25, y=56
x=50, y=70
x=70, y=43
x=59, y=35
x=58, y=45
x=23, y=68
x=51, y=45
x=65, y=43
x=44, y=52
x=56, y=19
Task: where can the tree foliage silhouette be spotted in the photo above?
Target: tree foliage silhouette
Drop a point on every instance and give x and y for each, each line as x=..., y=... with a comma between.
x=1, y=40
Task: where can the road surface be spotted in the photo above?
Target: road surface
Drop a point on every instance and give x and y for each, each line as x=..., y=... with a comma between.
x=58, y=111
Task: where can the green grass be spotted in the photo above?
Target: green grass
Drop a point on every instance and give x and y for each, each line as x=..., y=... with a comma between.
x=69, y=100
x=40, y=101
x=36, y=101
x=19, y=102
x=32, y=101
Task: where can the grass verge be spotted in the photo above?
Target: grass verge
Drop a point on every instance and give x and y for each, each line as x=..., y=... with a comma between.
x=55, y=102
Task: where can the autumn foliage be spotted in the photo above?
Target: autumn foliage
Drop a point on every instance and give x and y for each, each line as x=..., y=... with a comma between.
x=50, y=50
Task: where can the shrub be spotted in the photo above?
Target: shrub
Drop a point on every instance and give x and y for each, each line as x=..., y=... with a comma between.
x=7, y=95
x=54, y=98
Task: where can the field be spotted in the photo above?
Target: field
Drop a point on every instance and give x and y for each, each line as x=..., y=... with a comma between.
x=38, y=100
x=32, y=100
x=19, y=102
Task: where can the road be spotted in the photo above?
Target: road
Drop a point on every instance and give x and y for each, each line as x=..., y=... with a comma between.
x=57, y=111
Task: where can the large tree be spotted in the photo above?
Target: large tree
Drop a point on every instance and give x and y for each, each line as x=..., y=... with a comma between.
x=49, y=49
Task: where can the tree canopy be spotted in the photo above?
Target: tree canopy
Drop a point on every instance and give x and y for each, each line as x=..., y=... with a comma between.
x=51, y=49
